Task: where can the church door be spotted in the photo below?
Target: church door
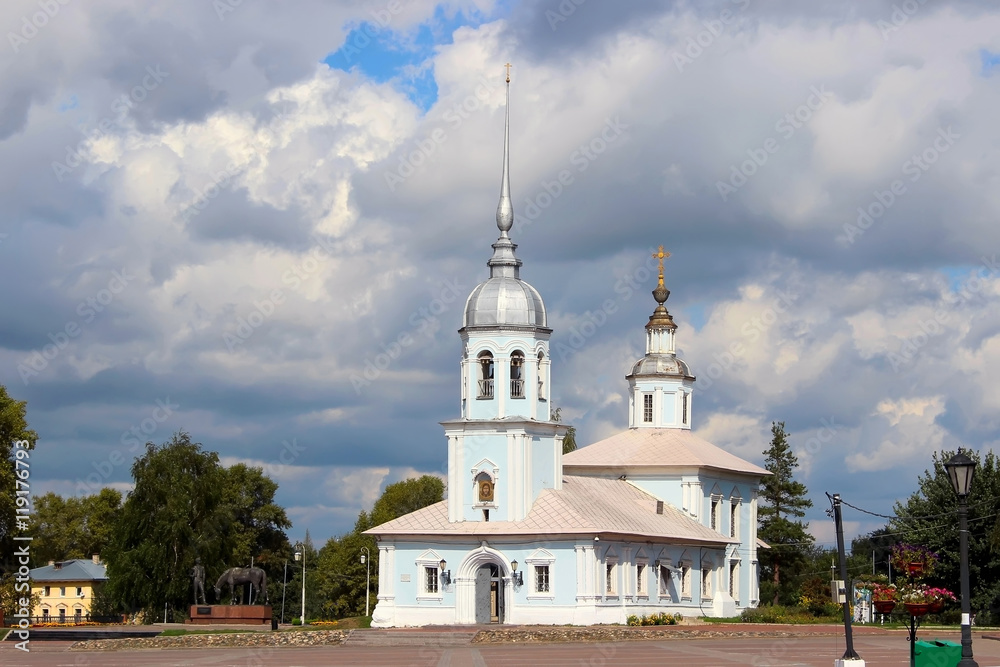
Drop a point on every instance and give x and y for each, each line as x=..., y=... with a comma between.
x=483, y=585
x=489, y=595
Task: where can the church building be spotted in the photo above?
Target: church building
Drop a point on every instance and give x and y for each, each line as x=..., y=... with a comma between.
x=653, y=519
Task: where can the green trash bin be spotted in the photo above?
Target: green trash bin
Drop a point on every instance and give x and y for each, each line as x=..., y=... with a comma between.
x=938, y=653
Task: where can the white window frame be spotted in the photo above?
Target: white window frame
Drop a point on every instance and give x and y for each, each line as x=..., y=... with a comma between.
x=611, y=577
x=541, y=558
x=735, y=506
x=707, y=585
x=647, y=397
x=713, y=510
x=734, y=580
x=428, y=559
x=642, y=578
x=664, y=575
x=685, y=580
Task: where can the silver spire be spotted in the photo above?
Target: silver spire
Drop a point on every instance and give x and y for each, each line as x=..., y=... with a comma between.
x=505, y=209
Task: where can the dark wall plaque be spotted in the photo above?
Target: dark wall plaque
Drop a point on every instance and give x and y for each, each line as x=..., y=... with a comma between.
x=204, y=610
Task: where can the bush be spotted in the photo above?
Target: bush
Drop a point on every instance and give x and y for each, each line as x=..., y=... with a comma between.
x=663, y=618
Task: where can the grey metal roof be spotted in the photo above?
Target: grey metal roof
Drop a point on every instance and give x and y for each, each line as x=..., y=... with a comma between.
x=661, y=364
x=504, y=300
x=71, y=570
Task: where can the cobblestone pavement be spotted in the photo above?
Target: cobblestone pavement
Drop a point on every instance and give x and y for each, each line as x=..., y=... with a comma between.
x=806, y=651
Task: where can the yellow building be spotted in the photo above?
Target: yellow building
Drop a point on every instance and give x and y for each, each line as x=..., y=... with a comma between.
x=66, y=589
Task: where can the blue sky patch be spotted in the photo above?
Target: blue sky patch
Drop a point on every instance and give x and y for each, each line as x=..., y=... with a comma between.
x=990, y=60
x=402, y=58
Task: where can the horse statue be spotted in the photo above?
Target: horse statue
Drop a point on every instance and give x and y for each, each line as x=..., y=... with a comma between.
x=236, y=576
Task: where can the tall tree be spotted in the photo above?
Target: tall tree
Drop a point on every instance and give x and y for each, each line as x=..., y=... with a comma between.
x=342, y=575
x=782, y=503
x=929, y=518
x=73, y=527
x=186, y=506
x=168, y=520
x=13, y=427
x=254, y=523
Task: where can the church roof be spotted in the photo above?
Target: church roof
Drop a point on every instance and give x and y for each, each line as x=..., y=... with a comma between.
x=658, y=448
x=584, y=505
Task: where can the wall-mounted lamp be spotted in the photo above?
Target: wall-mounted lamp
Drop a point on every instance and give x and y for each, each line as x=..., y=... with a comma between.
x=516, y=577
x=657, y=562
x=445, y=574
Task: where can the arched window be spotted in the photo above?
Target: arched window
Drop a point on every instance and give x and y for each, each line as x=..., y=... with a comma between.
x=517, y=375
x=484, y=487
x=541, y=377
x=485, y=375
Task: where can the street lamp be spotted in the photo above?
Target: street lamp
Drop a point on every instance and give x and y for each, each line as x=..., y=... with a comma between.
x=366, y=560
x=960, y=471
x=300, y=554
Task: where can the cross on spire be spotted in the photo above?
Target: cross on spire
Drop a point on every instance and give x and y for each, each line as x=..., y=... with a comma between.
x=661, y=255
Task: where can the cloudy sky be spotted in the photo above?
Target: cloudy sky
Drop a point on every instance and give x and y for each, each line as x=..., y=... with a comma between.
x=257, y=222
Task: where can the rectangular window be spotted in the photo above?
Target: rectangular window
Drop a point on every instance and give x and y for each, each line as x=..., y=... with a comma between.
x=77, y=615
x=664, y=581
x=684, y=408
x=541, y=578
x=706, y=582
x=62, y=615
x=45, y=615
x=733, y=580
x=685, y=581
x=640, y=579
x=62, y=591
x=79, y=591
x=47, y=591
x=734, y=516
x=647, y=408
x=430, y=580
x=610, y=587
x=715, y=514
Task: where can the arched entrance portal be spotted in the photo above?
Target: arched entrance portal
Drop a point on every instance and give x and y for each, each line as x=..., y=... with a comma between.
x=483, y=588
x=489, y=594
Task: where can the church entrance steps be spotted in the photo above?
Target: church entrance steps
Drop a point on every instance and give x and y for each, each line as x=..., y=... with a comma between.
x=415, y=637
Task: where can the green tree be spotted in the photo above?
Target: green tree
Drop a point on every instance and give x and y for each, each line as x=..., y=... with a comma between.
x=73, y=527
x=13, y=427
x=929, y=517
x=569, y=441
x=254, y=523
x=342, y=575
x=184, y=506
x=782, y=503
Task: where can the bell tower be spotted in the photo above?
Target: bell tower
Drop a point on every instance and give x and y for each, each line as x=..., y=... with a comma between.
x=660, y=384
x=504, y=449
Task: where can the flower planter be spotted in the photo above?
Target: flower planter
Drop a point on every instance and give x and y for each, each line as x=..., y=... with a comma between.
x=884, y=606
x=936, y=607
x=915, y=569
x=917, y=608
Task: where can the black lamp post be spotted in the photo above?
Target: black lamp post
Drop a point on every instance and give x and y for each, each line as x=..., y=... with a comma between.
x=960, y=471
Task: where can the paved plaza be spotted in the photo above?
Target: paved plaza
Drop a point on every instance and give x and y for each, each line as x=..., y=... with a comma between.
x=878, y=651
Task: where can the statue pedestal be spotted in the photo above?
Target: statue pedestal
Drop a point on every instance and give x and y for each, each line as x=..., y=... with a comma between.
x=235, y=614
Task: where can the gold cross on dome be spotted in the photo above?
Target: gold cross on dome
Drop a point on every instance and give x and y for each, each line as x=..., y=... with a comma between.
x=661, y=255
x=507, y=67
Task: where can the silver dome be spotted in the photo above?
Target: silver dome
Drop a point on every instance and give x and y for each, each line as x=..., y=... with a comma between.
x=504, y=300
x=661, y=364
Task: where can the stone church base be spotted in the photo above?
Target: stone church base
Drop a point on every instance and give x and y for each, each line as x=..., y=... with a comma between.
x=224, y=614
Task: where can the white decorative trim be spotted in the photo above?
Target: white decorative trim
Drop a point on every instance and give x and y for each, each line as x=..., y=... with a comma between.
x=428, y=559
x=540, y=558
